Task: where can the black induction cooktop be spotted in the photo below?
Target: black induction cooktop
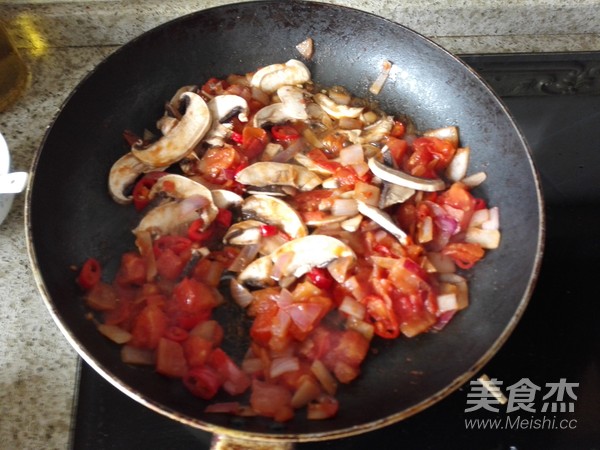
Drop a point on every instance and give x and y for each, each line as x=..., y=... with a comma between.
x=549, y=369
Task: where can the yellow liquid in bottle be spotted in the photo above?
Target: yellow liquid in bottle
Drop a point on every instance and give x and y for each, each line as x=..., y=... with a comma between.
x=13, y=72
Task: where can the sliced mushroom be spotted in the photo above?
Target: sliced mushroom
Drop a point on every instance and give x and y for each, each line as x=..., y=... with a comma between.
x=311, y=165
x=182, y=139
x=271, y=78
x=167, y=218
x=123, y=174
x=336, y=110
x=291, y=107
x=179, y=187
x=295, y=258
x=274, y=211
x=246, y=232
x=268, y=173
x=225, y=107
x=392, y=194
x=404, y=179
x=449, y=134
x=225, y=199
x=384, y=220
x=378, y=130
x=294, y=100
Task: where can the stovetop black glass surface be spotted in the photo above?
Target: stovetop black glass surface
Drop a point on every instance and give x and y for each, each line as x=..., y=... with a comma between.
x=549, y=369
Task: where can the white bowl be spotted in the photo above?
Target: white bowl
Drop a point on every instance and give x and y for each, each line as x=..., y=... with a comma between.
x=5, y=199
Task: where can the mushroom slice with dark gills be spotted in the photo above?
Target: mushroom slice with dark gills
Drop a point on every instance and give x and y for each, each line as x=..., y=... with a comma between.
x=382, y=219
x=404, y=179
x=246, y=232
x=172, y=114
x=223, y=108
x=295, y=258
x=274, y=211
x=183, y=200
x=292, y=106
x=123, y=175
x=269, y=173
x=182, y=138
x=270, y=78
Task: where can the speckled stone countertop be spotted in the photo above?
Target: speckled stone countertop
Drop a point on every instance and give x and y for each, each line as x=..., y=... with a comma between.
x=61, y=41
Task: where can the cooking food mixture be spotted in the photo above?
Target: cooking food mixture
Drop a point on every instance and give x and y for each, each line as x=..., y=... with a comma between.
x=330, y=222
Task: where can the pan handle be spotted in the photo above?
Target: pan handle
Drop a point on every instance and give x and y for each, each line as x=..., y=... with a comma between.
x=224, y=442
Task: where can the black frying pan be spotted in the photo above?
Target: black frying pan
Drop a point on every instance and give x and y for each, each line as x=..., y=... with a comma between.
x=70, y=216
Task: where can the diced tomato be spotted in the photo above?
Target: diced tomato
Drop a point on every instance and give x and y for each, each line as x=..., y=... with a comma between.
x=90, y=274
x=176, y=334
x=179, y=244
x=383, y=317
x=217, y=162
x=398, y=149
x=430, y=156
x=142, y=189
x=254, y=141
x=224, y=218
x=270, y=400
x=196, y=232
x=459, y=197
x=197, y=350
x=261, y=330
x=346, y=176
x=169, y=265
x=208, y=271
x=101, y=297
x=192, y=302
x=464, y=254
x=170, y=360
x=398, y=129
x=149, y=327
x=321, y=159
x=203, y=382
x=132, y=270
x=234, y=380
x=209, y=330
x=413, y=316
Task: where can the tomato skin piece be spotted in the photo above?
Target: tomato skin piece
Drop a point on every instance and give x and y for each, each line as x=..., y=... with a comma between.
x=90, y=274
x=148, y=328
x=170, y=360
x=284, y=133
x=203, y=382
